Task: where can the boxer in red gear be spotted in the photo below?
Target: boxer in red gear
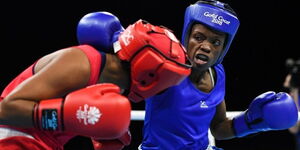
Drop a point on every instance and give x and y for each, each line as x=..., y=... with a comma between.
x=77, y=91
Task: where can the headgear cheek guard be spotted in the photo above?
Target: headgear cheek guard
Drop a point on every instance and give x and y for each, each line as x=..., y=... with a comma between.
x=157, y=59
x=214, y=14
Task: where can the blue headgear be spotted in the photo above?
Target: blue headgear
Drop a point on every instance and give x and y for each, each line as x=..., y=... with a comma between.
x=214, y=14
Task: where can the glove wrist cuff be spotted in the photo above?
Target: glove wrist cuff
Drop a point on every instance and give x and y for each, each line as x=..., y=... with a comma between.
x=47, y=115
x=240, y=125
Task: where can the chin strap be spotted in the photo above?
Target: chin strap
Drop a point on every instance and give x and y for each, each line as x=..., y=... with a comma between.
x=211, y=76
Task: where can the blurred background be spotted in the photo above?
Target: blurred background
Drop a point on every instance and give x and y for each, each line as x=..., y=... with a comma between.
x=254, y=64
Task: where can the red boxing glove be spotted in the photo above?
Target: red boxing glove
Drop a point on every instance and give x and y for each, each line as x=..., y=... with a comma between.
x=98, y=111
x=116, y=144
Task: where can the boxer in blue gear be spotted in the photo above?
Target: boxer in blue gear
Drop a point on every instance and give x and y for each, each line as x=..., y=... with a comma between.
x=180, y=117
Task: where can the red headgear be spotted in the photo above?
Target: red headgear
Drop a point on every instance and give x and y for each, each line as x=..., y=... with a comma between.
x=157, y=59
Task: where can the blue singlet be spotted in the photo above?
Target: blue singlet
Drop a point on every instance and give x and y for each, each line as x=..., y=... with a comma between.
x=179, y=118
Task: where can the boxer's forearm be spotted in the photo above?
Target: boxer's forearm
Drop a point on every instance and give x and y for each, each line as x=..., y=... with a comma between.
x=223, y=131
x=17, y=113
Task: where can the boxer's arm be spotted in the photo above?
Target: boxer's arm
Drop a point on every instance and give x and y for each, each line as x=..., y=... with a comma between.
x=98, y=111
x=221, y=126
x=55, y=75
x=268, y=111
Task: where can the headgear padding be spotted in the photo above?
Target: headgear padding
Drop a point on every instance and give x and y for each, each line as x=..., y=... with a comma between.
x=157, y=59
x=214, y=14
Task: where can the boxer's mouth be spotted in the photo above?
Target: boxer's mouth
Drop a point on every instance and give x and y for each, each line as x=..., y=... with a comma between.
x=201, y=59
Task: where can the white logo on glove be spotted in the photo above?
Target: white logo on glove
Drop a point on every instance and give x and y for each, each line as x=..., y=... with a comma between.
x=89, y=114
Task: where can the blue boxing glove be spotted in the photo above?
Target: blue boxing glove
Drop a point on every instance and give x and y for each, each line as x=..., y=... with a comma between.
x=100, y=30
x=268, y=111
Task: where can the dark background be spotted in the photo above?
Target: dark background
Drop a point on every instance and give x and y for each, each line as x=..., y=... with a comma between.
x=254, y=64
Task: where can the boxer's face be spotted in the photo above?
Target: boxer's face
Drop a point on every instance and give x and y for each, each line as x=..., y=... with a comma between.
x=204, y=46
